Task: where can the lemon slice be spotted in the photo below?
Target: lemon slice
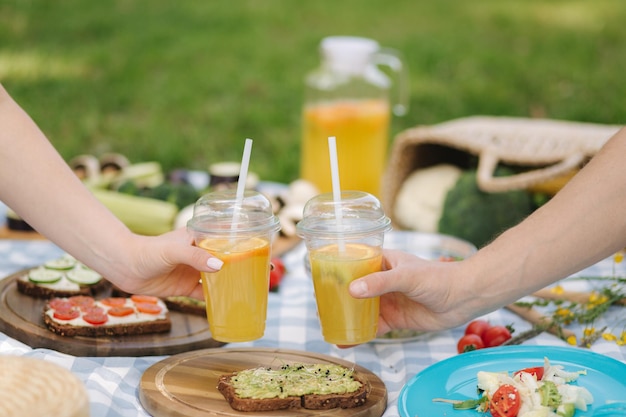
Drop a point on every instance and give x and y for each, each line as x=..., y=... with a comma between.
x=44, y=276
x=61, y=264
x=83, y=276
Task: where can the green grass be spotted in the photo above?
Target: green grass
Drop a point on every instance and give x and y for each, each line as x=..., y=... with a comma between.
x=185, y=82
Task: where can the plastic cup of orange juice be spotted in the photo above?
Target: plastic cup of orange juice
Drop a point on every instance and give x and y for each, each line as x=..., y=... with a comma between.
x=342, y=249
x=240, y=233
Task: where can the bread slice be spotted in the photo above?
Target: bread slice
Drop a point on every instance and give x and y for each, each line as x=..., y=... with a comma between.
x=186, y=305
x=136, y=323
x=304, y=396
x=225, y=386
x=61, y=277
x=27, y=287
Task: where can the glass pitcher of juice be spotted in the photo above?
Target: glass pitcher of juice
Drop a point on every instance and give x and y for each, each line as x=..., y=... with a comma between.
x=351, y=98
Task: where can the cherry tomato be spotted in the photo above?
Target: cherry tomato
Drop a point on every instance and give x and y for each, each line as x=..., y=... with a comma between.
x=139, y=298
x=60, y=304
x=121, y=311
x=477, y=327
x=82, y=301
x=113, y=301
x=276, y=273
x=537, y=371
x=66, y=314
x=496, y=335
x=148, y=308
x=505, y=402
x=469, y=342
x=278, y=264
x=94, y=309
x=96, y=318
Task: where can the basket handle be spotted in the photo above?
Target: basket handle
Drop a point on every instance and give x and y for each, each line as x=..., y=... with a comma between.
x=488, y=162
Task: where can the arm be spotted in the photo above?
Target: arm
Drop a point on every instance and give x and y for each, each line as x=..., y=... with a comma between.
x=38, y=185
x=581, y=225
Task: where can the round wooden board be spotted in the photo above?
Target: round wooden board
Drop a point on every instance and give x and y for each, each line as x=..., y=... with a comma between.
x=21, y=317
x=185, y=385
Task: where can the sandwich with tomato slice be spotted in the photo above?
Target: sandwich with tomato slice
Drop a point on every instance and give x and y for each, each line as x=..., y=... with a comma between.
x=111, y=316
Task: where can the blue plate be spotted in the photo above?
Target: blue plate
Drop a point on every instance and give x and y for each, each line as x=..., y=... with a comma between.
x=455, y=378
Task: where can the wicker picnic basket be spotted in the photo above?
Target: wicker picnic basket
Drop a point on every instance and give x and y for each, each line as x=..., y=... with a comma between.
x=542, y=149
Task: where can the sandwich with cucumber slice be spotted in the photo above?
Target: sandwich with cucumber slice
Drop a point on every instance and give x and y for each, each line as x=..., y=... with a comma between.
x=61, y=277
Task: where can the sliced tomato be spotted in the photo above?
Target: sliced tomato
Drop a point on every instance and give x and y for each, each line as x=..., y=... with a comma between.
x=113, y=301
x=148, y=308
x=82, y=301
x=60, y=304
x=121, y=311
x=469, y=342
x=478, y=327
x=93, y=310
x=496, y=335
x=66, y=314
x=505, y=402
x=537, y=371
x=139, y=298
x=96, y=318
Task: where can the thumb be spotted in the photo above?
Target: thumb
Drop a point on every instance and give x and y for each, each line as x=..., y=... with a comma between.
x=185, y=252
x=398, y=275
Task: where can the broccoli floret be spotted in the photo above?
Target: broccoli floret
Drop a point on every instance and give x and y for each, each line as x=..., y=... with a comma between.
x=180, y=194
x=477, y=216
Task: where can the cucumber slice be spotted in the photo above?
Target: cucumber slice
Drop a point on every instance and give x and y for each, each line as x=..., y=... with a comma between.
x=61, y=264
x=83, y=276
x=44, y=276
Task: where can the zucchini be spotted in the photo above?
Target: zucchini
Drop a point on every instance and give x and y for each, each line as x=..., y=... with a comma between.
x=142, y=215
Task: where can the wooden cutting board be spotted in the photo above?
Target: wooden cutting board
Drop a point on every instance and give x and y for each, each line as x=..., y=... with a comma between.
x=184, y=385
x=21, y=317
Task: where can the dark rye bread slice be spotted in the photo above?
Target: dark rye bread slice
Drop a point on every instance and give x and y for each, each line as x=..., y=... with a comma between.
x=308, y=401
x=186, y=305
x=27, y=287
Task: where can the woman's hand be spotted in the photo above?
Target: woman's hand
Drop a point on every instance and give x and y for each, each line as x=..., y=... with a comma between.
x=415, y=293
x=165, y=265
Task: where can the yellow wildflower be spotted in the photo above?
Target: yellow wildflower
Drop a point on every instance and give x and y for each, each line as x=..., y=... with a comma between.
x=609, y=337
x=595, y=298
x=571, y=340
x=589, y=331
x=618, y=257
x=565, y=313
x=558, y=289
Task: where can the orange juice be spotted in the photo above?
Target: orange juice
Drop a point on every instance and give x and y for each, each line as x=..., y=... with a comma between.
x=345, y=319
x=236, y=296
x=361, y=129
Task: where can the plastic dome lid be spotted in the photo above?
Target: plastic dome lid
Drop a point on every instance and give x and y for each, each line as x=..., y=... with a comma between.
x=360, y=214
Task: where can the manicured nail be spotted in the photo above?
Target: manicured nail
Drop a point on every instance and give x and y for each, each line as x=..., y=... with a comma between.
x=358, y=287
x=214, y=263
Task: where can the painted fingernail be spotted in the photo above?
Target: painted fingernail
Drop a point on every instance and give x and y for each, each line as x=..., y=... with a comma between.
x=214, y=263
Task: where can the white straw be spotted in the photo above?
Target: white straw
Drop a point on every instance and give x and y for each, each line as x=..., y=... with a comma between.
x=241, y=182
x=334, y=172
